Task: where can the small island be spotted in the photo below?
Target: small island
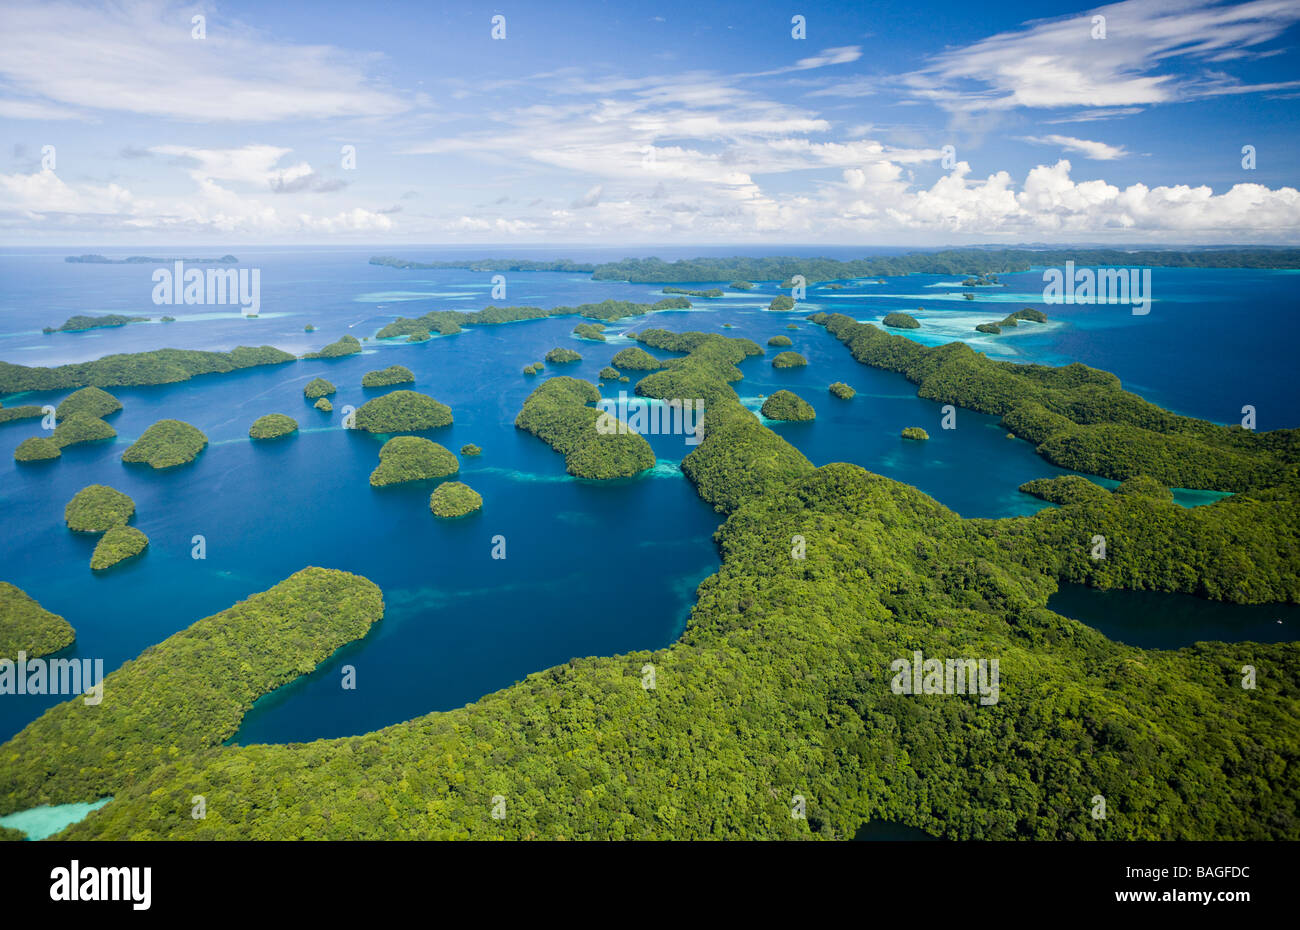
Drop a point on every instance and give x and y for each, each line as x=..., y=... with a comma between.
x=1029, y=313
x=915, y=432
x=608, y=374
x=711, y=293
x=272, y=426
x=559, y=356
x=25, y=412
x=167, y=319
x=166, y=444
x=780, y=341
x=412, y=458
x=842, y=390
x=323, y=405
x=26, y=626
x=901, y=321
x=741, y=286
x=98, y=508
x=635, y=358
x=149, y=260
x=535, y=368
x=470, y=449
x=348, y=345
x=781, y=303
x=789, y=360
x=402, y=412
x=592, y=331
x=81, y=323
x=787, y=405
x=309, y=328
x=317, y=387
x=1065, y=489
x=37, y=449
x=80, y=428
x=386, y=377
x=118, y=544
x=454, y=499
x=991, y=328
x=89, y=401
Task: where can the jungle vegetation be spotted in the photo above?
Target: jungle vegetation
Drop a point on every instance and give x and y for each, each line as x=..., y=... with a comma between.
x=635, y=358
x=453, y=499
x=842, y=390
x=402, y=412
x=159, y=366
x=98, y=508
x=914, y=432
x=386, y=377
x=272, y=426
x=788, y=360
x=901, y=321
x=89, y=401
x=780, y=341
x=26, y=626
x=590, y=331
x=317, y=387
x=412, y=458
x=556, y=412
x=80, y=323
x=558, y=356
x=118, y=544
x=166, y=444
x=345, y=345
x=787, y=405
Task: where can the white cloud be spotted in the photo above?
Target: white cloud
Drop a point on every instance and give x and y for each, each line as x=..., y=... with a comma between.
x=139, y=57
x=1097, y=151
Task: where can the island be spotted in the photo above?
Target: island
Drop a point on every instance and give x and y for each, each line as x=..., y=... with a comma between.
x=470, y=449
x=317, y=387
x=787, y=405
x=412, y=458
x=1029, y=313
x=914, y=432
x=981, y=279
x=780, y=341
x=272, y=426
x=592, y=331
x=559, y=356
x=402, y=412
x=166, y=319
x=595, y=444
x=146, y=260
x=789, y=360
x=1065, y=489
x=309, y=328
x=608, y=374
x=386, y=377
x=711, y=293
x=635, y=358
x=26, y=626
x=25, y=412
x=741, y=285
x=80, y=428
x=166, y=444
x=842, y=390
x=781, y=303
x=534, y=369
x=158, y=366
x=901, y=321
x=89, y=401
x=453, y=499
x=78, y=324
x=118, y=544
x=991, y=328
x=421, y=335
x=98, y=508
x=37, y=449
x=346, y=345
x=323, y=405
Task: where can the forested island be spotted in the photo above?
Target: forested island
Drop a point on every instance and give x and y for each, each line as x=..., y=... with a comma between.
x=158, y=366
x=556, y=412
x=900, y=320
x=788, y=360
x=386, y=377
x=167, y=444
x=98, y=508
x=1087, y=715
x=449, y=322
x=412, y=458
x=710, y=293
x=787, y=405
x=77, y=324
x=118, y=544
x=272, y=426
x=453, y=499
x=26, y=626
x=402, y=412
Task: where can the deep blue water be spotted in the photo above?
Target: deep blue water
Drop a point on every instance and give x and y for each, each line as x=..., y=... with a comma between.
x=591, y=568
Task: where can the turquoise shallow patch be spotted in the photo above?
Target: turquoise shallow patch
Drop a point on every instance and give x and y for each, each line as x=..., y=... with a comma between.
x=40, y=822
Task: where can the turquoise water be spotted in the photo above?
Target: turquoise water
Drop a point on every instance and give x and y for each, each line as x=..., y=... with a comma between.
x=591, y=568
x=40, y=822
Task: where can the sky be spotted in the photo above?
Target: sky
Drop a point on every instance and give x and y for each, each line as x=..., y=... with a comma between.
x=902, y=122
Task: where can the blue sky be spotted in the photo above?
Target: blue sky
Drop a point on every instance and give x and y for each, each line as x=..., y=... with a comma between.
x=644, y=123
